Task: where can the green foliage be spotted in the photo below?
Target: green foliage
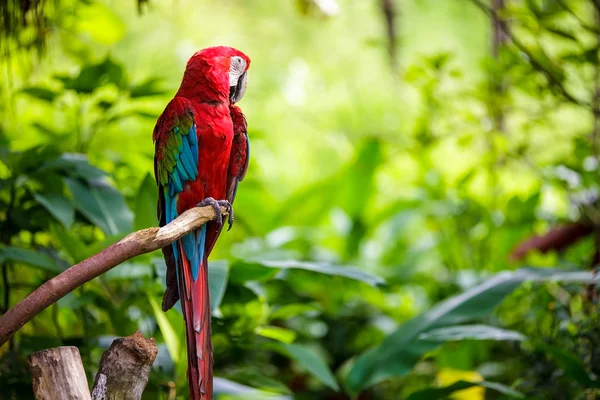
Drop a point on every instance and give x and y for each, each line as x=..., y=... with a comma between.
x=371, y=253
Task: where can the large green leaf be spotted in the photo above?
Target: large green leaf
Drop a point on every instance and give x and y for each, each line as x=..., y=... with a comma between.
x=145, y=204
x=129, y=270
x=92, y=76
x=234, y=390
x=168, y=331
x=73, y=164
x=218, y=272
x=470, y=332
x=59, y=206
x=30, y=257
x=444, y=392
x=249, y=270
x=312, y=362
x=402, y=349
x=101, y=204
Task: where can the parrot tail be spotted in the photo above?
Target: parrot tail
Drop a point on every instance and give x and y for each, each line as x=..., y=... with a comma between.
x=195, y=303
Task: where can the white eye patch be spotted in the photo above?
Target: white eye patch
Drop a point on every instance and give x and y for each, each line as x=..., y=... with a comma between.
x=237, y=67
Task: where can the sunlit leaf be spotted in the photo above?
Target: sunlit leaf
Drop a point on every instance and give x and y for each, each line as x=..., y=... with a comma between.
x=444, y=392
x=277, y=333
x=167, y=330
x=292, y=310
x=470, y=332
x=249, y=270
x=238, y=391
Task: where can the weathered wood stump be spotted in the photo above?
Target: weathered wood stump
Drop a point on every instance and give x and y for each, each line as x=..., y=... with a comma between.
x=58, y=374
x=123, y=374
x=125, y=368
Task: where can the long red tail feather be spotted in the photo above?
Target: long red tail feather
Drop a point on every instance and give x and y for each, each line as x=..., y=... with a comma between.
x=195, y=303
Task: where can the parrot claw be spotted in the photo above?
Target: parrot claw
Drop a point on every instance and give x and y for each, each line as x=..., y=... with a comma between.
x=227, y=205
x=216, y=205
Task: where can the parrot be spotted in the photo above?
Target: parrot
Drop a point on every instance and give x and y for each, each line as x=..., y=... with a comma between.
x=201, y=155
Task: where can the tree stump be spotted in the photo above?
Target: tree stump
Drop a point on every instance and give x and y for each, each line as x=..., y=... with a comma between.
x=58, y=374
x=123, y=374
x=125, y=368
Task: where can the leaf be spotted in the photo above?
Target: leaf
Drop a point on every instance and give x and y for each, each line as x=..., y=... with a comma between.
x=50, y=132
x=129, y=270
x=570, y=364
x=101, y=204
x=277, y=333
x=145, y=204
x=59, y=206
x=562, y=33
x=218, y=272
x=74, y=165
x=149, y=87
x=167, y=330
x=247, y=270
x=71, y=244
x=291, y=310
x=402, y=349
x=312, y=362
x=446, y=391
x=225, y=386
x=30, y=257
x=41, y=93
x=93, y=76
x=470, y=332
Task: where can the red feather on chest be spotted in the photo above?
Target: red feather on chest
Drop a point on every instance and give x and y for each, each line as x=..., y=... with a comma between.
x=214, y=129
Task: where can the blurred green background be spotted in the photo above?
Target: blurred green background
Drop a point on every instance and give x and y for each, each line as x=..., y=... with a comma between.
x=401, y=151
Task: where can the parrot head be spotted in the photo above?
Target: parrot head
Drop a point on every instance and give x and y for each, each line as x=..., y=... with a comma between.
x=216, y=74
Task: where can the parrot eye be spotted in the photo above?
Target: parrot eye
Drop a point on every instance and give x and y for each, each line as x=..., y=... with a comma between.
x=237, y=64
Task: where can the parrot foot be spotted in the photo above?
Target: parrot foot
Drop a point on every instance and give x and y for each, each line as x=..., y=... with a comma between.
x=216, y=205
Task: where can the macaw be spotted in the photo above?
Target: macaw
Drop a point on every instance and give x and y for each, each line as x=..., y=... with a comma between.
x=201, y=154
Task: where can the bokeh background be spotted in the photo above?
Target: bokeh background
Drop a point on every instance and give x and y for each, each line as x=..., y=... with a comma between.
x=419, y=217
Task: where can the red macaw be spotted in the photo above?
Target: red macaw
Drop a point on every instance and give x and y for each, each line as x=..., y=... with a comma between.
x=201, y=154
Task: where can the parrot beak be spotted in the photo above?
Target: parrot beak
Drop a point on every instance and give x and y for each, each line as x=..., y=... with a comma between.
x=237, y=92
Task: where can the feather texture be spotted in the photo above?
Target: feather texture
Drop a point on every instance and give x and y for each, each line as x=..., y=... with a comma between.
x=201, y=150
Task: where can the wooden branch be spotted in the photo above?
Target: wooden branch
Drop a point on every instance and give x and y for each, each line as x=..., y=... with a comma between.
x=125, y=368
x=58, y=374
x=558, y=238
x=134, y=244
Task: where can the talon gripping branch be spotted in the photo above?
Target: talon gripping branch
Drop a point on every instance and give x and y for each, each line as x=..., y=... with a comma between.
x=201, y=154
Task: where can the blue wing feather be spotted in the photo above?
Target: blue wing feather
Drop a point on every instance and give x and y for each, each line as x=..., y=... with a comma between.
x=184, y=170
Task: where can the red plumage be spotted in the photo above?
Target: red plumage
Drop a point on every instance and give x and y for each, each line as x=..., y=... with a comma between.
x=200, y=126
